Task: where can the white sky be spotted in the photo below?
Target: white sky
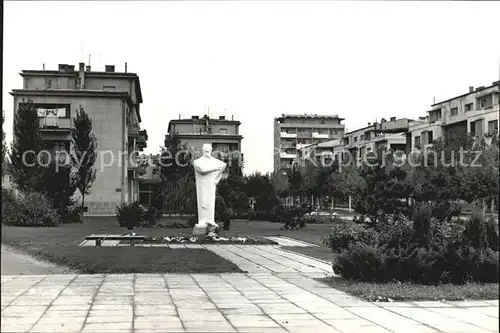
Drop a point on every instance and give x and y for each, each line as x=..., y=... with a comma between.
x=360, y=60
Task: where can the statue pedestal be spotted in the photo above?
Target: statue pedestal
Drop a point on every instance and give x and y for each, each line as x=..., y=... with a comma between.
x=200, y=230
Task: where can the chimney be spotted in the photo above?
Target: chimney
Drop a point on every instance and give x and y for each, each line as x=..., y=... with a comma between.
x=71, y=68
x=195, y=117
x=179, y=116
x=87, y=68
x=81, y=75
x=382, y=120
x=232, y=117
x=62, y=67
x=471, y=89
x=393, y=118
x=43, y=66
x=110, y=68
x=222, y=118
x=126, y=70
x=369, y=124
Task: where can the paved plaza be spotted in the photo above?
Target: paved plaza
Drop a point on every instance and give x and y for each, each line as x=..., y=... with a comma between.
x=278, y=294
x=262, y=302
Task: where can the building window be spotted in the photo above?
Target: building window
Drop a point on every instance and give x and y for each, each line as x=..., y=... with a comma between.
x=362, y=138
x=468, y=107
x=476, y=128
x=417, y=141
x=454, y=111
x=355, y=139
x=48, y=83
x=493, y=126
x=323, y=121
x=439, y=114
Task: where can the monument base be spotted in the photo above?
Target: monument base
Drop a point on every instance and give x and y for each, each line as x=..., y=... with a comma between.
x=200, y=230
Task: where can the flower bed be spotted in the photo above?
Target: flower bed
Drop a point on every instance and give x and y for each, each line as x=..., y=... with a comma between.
x=208, y=240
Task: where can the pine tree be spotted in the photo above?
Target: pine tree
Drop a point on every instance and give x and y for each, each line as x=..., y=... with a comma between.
x=26, y=146
x=84, y=154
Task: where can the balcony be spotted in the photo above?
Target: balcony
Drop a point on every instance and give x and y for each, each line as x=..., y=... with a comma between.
x=54, y=124
x=302, y=145
x=133, y=162
x=304, y=135
x=133, y=130
x=316, y=135
x=287, y=155
x=288, y=135
x=142, y=140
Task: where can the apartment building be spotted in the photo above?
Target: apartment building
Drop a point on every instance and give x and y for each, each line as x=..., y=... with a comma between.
x=322, y=153
x=222, y=133
x=475, y=112
x=149, y=178
x=388, y=134
x=294, y=132
x=112, y=100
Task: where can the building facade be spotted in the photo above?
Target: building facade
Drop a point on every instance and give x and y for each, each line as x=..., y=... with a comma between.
x=475, y=112
x=386, y=134
x=294, y=132
x=222, y=133
x=112, y=100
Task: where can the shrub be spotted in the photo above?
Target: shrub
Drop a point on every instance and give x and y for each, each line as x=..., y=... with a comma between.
x=151, y=215
x=475, y=232
x=361, y=262
x=345, y=234
x=29, y=210
x=295, y=223
x=425, y=265
x=421, y=217
x=74, y=214
x=445, y=232
x=130, y=215
x=492, y=236
x=394, y=231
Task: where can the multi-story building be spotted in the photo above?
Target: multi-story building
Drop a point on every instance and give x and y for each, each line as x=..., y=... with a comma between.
x=222, y=133
x=390, y=135
x=293, y=132
x=149, y=178
x=476, y=112
x=112, y=100
x=322, y=153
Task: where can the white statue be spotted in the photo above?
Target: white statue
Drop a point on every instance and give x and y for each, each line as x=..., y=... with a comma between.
x=208, y=170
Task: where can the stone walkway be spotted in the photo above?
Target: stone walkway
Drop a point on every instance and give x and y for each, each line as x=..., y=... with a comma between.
x=265, y=302
x=279, y=294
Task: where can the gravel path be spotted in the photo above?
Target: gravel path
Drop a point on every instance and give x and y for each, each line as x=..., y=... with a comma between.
x=16, y=263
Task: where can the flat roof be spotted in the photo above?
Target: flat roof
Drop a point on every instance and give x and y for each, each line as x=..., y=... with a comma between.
x=116, y=75
x=309, y=116
x=496, y=83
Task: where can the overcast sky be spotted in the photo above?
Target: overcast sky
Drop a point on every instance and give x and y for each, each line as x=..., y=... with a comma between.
x=257, y=60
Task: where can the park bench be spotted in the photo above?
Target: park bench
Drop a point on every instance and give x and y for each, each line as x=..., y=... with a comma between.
x=100, y=238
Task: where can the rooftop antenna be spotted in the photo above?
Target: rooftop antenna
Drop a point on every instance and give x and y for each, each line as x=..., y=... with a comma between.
x=433, y=100
x=89, y=58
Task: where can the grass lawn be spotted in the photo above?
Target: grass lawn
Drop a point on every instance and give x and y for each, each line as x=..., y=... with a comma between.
x=414, y=292
x=94, y=260
x=60, y=245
